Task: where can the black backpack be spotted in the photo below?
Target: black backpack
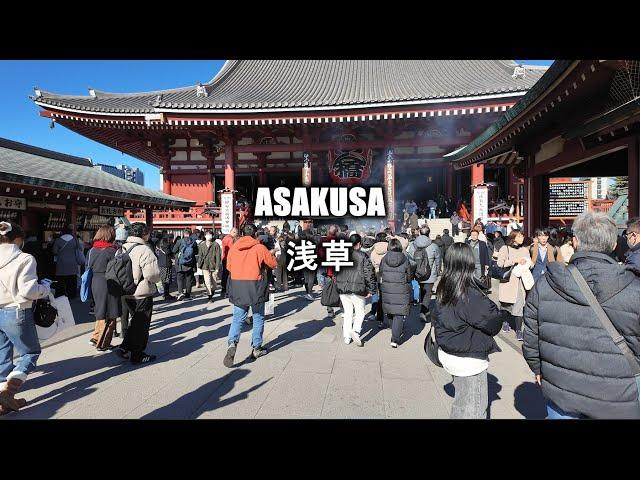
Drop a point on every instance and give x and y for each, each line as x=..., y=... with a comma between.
x=119, y=274
x=423, y=269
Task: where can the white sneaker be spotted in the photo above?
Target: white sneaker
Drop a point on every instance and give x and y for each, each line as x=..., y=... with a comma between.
x=180, y=297
x=309, y=297
x=356, y=339
x=347, y=340
x=394, y=344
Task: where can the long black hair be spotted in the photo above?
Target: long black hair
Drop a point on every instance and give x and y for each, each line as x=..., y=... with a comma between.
x=459, y=267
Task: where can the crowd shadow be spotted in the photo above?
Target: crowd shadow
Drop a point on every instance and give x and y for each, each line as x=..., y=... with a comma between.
x=301, y=332
x=210, y=394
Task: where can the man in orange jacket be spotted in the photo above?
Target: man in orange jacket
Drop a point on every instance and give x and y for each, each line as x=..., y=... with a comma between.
x=247, y=261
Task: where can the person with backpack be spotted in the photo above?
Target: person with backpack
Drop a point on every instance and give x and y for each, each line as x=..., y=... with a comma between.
x=134, y=271
x=209, y=262
x=247, y=262
x=68, y=256
x=396, y=273
x=542, y=253
x=465, y=321
x=582, y=371
x=425, y=256
x=106, y=305
x=185, y=251
x=19, y=288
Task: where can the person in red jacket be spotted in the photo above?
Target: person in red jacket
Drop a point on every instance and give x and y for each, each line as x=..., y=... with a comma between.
x=247, y=261
x=227, y=242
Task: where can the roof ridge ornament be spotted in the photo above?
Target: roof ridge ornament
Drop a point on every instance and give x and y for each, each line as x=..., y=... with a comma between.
x=38, y=92
x=519, y=71
x=92, y=92
x=201, y=90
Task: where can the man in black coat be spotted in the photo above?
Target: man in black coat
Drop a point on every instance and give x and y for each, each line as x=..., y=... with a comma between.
x=480, y=252
x=447, y=241
x=582, y=372
x=185, y=267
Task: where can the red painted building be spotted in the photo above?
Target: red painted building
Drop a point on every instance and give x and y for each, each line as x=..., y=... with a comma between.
x=285, y=122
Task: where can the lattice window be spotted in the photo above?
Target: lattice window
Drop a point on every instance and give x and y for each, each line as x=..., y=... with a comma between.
x=625, y=85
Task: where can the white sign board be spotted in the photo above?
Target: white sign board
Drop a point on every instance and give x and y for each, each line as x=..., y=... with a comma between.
x=226, y=212
x=480, y=203
x=12, y=203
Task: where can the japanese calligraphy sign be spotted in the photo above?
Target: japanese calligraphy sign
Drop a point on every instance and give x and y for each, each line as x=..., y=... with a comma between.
x=350, y=166
x=12, y=203
x=389, y=182
x=302, y=255
x=306, y=170
x=481, y=203
x=111, y=211
x=227, y=212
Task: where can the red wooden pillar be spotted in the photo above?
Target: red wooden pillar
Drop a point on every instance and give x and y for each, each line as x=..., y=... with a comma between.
x=530, y=198
x=229, y=166
x=633, y=170
x=148, y=217
x=166, y=176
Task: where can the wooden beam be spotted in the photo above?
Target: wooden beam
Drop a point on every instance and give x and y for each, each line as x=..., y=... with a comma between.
x=300, y=147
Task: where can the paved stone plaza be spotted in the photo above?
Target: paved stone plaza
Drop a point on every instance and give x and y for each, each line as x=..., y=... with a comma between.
x=308, y=373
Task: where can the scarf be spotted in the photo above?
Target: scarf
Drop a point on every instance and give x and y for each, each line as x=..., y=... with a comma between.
x=102, y=244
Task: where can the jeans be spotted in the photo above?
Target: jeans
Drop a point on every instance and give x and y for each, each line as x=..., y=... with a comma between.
x=353, y=307
x=18, y=331
x=239, y=316
x=416, y=290
x=554, y=412
x=471, y=397
x=396, y=328
x=185, y=282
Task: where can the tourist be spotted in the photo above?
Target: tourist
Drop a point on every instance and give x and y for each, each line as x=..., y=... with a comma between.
x=632, y=234
x=19, y=287
x=447, y=241
x=185, y=251
x=464, y=214
x=422, y=222
x=396, y=274
x=309, y=275
x=280, y=272
x=481, y=256
x=513, y=225
x=420, y=247
x=378, y=252
x=582, y=372
x=199, y=238
x=106, y=305
x=68, y=256
x=146, y=274
x=432, y=205
x=465, y=322
x=512, y=294
x=248, y=288
x=413, y=221
x=286, y=227
x=227, y=242
x=566, y=249
x=542, y=253
x=355, y=284
x=498, y=243
x=163, y=252
x=209, y=261
x=455, y=224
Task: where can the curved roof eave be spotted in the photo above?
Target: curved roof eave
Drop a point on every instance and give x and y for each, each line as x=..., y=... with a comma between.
x=553, y=73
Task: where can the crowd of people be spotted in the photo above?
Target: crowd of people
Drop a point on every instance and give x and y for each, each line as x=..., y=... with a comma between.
x=581, y=370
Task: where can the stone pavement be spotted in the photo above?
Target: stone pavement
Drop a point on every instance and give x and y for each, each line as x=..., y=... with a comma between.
x=308, y=373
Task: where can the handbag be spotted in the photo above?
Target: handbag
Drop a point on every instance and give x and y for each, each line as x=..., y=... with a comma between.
x=503, y=274
x=85, y=281
x=618, y=339
x=44, y=314
x=270, y=305
x=330, y=295
x=431, y=347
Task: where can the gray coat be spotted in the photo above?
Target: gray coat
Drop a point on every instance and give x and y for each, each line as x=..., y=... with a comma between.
x=433, y=254
x=582, y=369
x=65, y=251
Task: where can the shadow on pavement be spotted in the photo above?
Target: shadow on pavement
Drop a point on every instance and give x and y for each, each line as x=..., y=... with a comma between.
x=529, y=401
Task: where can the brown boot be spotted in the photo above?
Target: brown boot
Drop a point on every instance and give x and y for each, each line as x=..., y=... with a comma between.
x=12, y=387
x=7, y=401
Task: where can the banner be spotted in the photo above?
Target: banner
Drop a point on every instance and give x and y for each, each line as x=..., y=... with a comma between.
x=111, y=211
x=480, y=203
x=350, y=166
x=389, y=182
x=306, y=170
x=227, y=212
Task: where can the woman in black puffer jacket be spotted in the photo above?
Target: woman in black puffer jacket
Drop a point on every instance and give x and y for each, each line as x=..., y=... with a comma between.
x=396, y=274
x=465, y=321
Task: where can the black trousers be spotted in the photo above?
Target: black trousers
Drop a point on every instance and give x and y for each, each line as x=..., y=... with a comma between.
x=281, y=277
x=425, y=296
x=70, y=283
x=137, y=335
x=225, y=277
x=309, y=280
x=124, y=318
x=397, y=327
x=185, y=282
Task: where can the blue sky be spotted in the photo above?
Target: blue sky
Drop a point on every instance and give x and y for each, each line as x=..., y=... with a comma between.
x=20, y=120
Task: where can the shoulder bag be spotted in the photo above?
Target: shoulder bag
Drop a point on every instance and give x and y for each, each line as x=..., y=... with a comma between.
x=85, y=280
x=618, y=339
